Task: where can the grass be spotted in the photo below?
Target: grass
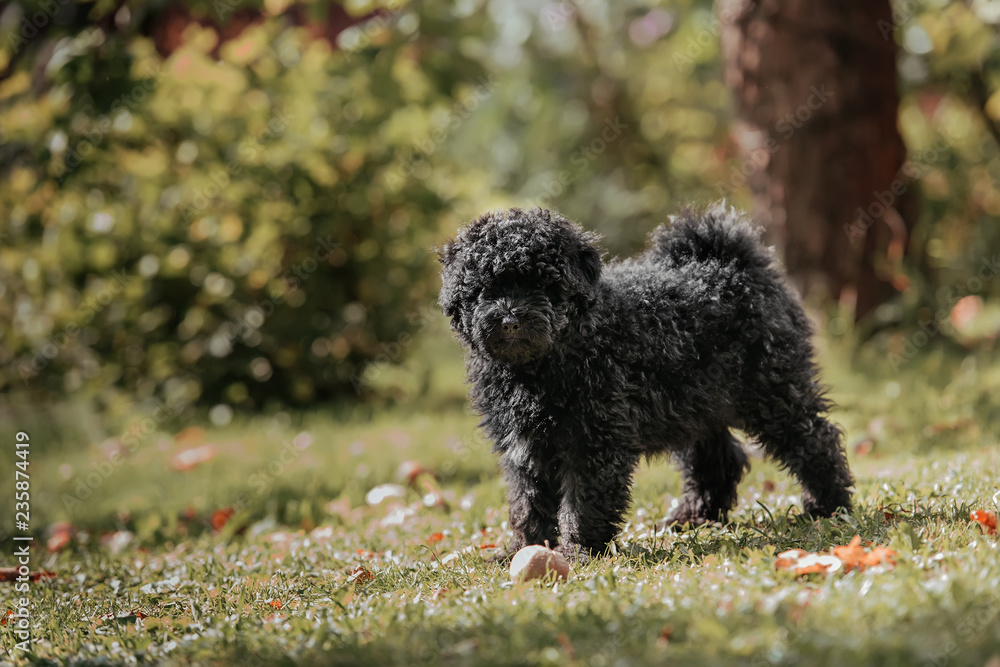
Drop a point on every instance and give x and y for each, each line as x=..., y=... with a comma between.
x=308, y=572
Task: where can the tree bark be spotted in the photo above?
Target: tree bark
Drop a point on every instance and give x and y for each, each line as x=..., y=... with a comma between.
x=816, y=100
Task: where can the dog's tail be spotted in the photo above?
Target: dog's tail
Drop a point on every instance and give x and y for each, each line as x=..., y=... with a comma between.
x=719, y=233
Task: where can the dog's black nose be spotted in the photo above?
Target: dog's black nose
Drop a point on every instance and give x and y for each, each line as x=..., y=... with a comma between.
x=510, y=325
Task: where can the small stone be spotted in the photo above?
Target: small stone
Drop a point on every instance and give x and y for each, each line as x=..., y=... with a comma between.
x=535, y=562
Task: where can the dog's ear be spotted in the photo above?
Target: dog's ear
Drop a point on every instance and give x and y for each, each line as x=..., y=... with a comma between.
x=450, y=257
x=589, y=263
x=448, y=253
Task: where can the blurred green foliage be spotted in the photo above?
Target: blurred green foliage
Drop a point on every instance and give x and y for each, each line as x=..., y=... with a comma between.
x=252, y=220
x=229, y=224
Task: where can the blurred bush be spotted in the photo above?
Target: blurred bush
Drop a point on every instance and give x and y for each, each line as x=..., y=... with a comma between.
x=230, y=224
x=236, y=203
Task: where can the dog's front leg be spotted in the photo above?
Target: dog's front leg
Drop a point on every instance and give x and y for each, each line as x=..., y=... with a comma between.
x=533, y=497
x=596, y=493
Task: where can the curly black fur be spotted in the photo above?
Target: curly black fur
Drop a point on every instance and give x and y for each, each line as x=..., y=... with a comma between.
x=579, y=369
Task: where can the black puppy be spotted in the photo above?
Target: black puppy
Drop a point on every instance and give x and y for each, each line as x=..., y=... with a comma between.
x=579, y=369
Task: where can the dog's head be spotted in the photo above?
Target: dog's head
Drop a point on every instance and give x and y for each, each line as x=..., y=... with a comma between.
x=515, y=282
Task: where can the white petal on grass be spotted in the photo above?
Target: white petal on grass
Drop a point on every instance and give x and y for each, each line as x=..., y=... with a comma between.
x=384, y=491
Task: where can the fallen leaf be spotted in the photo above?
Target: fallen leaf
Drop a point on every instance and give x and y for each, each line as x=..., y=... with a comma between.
x=117, y=541
x=383, y=491
x=966, y=310
x=60, y=535
x=436, y=537
x=951, y=425
x=188, y=459
x=397, y=517
x=855, y=557
x=787, y=559
x=275, y=603
x=850, y=557
x=864, y=448
x=221, y=517
x=408, y=471
x=818, y=564
x=3, y=621
x=663, y=640
x=986, y=519
x=769, y=486
x=360, y=575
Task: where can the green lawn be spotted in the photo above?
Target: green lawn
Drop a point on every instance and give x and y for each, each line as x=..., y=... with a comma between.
x=307, y=572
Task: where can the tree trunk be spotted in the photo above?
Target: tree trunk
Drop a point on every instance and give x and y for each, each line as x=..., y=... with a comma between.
x=816, y=100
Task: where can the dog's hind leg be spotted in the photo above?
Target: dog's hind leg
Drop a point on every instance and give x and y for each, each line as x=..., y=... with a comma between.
x=792, y=429
x=712, y=468
x=786, y=416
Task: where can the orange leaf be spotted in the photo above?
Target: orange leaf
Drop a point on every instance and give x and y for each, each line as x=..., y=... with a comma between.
x=189, y=458
x=436, y=537
x=855, y=557
x=221, y=517
x=12, y=574
x=881, y=555
x=864, y=448
x=275, y=603
x=3, y=621
x=788, y=559
x=987, y=519
x=488, y=545
x=58, y=541
x=360, y=575
x=852, y=555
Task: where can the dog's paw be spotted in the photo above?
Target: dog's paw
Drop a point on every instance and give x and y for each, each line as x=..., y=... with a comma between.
x=575, y=553
x=832, y=502
x=691, y=512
